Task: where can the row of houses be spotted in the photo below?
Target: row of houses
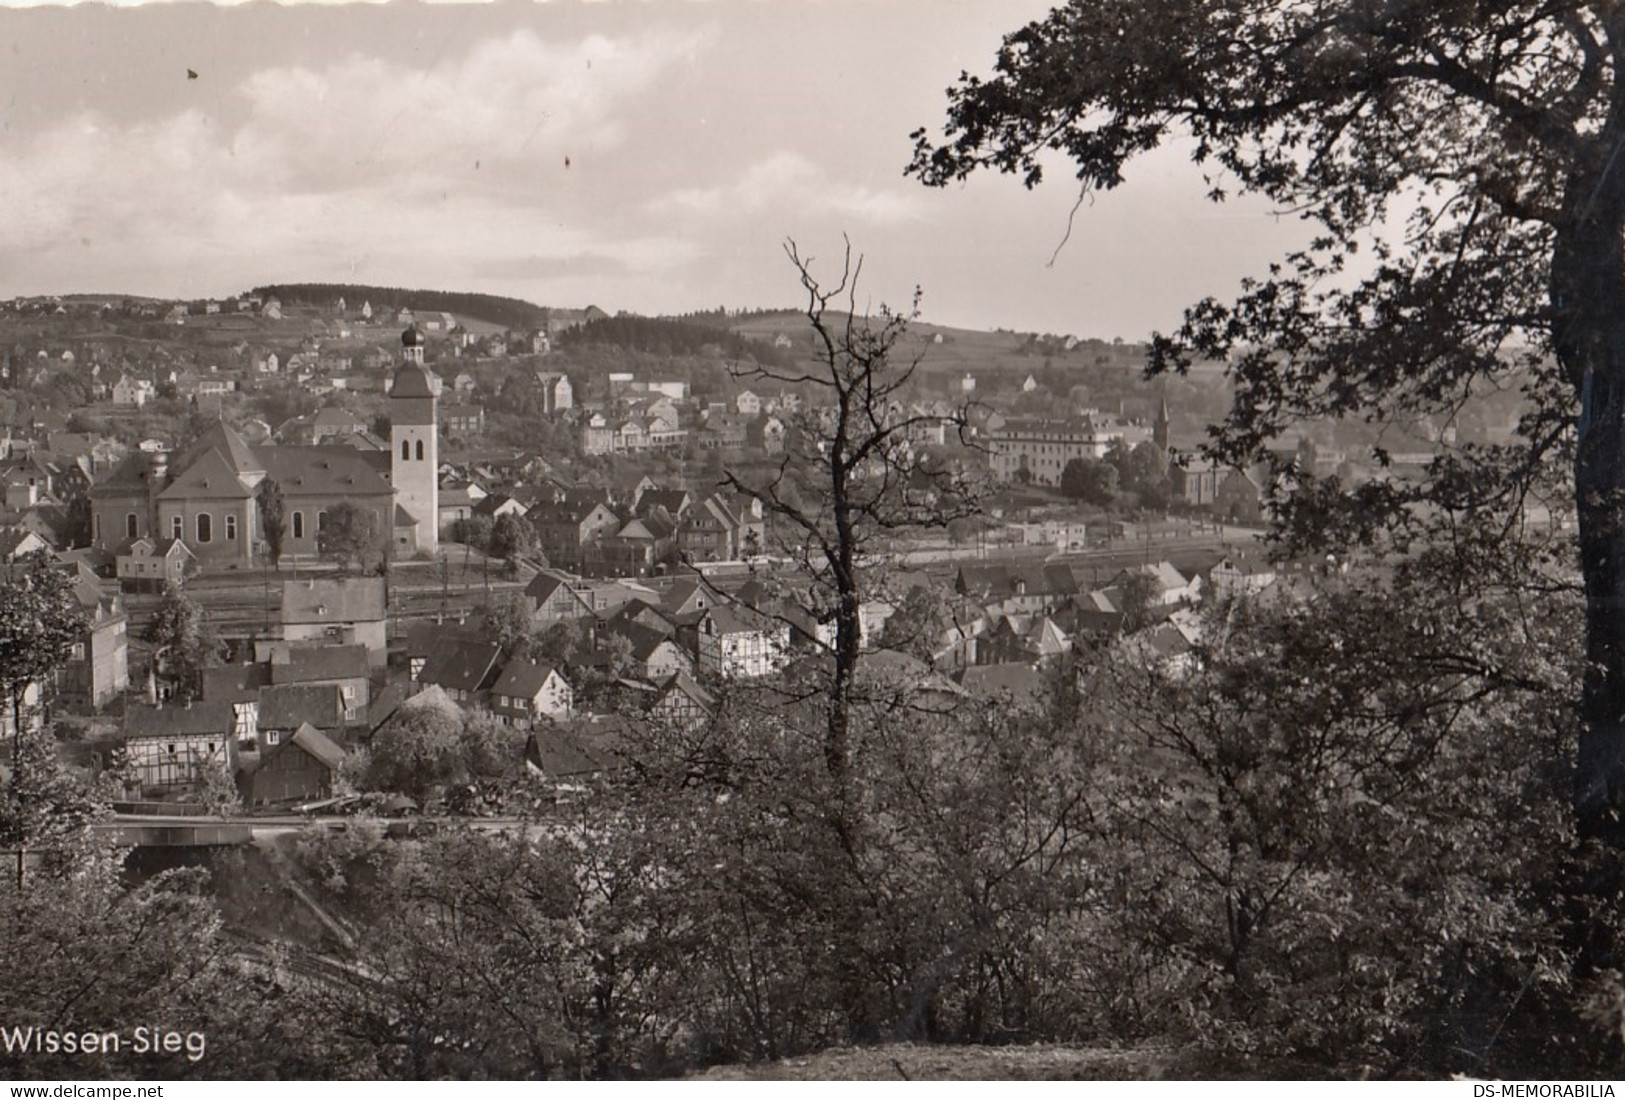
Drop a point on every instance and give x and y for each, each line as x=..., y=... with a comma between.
x=583, y=530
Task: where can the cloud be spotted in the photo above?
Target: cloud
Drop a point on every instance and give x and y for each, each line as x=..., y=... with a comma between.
x=439, y=169
x=788, y=181
x=510, y=102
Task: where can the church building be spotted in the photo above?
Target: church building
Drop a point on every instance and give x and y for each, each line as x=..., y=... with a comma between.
x=205, y=494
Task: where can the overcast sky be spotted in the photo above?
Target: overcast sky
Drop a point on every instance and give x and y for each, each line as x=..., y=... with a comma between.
x=651, y=157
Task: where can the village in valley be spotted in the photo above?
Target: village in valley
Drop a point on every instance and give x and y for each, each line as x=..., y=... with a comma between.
x=473, y=517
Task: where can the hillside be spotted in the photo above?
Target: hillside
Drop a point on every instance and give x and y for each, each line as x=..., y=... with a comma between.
x=660, y=336
x=507, y=312
x=947, y=350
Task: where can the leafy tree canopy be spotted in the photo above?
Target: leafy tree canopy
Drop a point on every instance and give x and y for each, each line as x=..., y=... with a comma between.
x=1089, y=480
x=273, y=517
x=39, y=622
x=350, y=534
x=184, y=643
x=1459, y=163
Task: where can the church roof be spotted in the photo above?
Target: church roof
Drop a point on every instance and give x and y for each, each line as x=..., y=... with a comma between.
x=221, y=437
x=210, y=476
x=323, y=471
x=129, y=476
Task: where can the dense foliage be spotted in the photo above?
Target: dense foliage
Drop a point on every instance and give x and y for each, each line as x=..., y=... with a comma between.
x=1317, y=848
x=1457, y=163
x=665, y=337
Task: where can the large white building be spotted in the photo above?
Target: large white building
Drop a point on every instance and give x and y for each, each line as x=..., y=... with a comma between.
x=1042, y=446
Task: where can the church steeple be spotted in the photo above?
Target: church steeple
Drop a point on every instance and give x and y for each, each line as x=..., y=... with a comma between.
x=412, y=346
x=414, y=441
x=1159, y=423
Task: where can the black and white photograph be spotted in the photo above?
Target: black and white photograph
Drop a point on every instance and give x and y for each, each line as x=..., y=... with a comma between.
x=813, y=540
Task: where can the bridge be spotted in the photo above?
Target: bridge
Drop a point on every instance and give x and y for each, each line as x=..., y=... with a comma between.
x=145, y=832
x=196, y=831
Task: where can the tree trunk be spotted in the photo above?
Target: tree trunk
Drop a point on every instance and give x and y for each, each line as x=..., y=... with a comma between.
x=1588, y=299
x=15, y=698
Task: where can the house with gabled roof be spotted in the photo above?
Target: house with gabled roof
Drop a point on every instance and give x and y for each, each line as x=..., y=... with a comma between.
x=301, y=768
x=766, y=434
x=169, y=747
x=684, y=598
x=283, y=708
x=645, y=614
x=1173, y=587
x=557, y=393
x=721, y=433
x=497, y=505
x=740, y=641
x=554, y=597
x=344, y=666
x=525, y=692
x=464, y=670
x=565, y=754
x=338, y=611
x=150, y=564
x=133, y=392
x=1239, y=498
x=1239, y=575
x=655, y=654
x=1017, y=589
x=564, y=530
x=331, y=422
x=97, y=669
x=710, y=531
x=17, y=543
x=634, y=550
x=681, y=702
x=675, y=502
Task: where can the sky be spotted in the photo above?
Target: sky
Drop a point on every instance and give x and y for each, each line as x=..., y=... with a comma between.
x=649, y=156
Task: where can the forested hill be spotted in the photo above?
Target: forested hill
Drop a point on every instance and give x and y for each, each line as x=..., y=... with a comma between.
x=511, y=313
x=666, y=337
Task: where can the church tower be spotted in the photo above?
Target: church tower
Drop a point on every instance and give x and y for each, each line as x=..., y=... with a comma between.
x=1159, y=425
x=414, y=441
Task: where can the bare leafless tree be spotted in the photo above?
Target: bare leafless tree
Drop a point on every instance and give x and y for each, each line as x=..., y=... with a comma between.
x=856, y=468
